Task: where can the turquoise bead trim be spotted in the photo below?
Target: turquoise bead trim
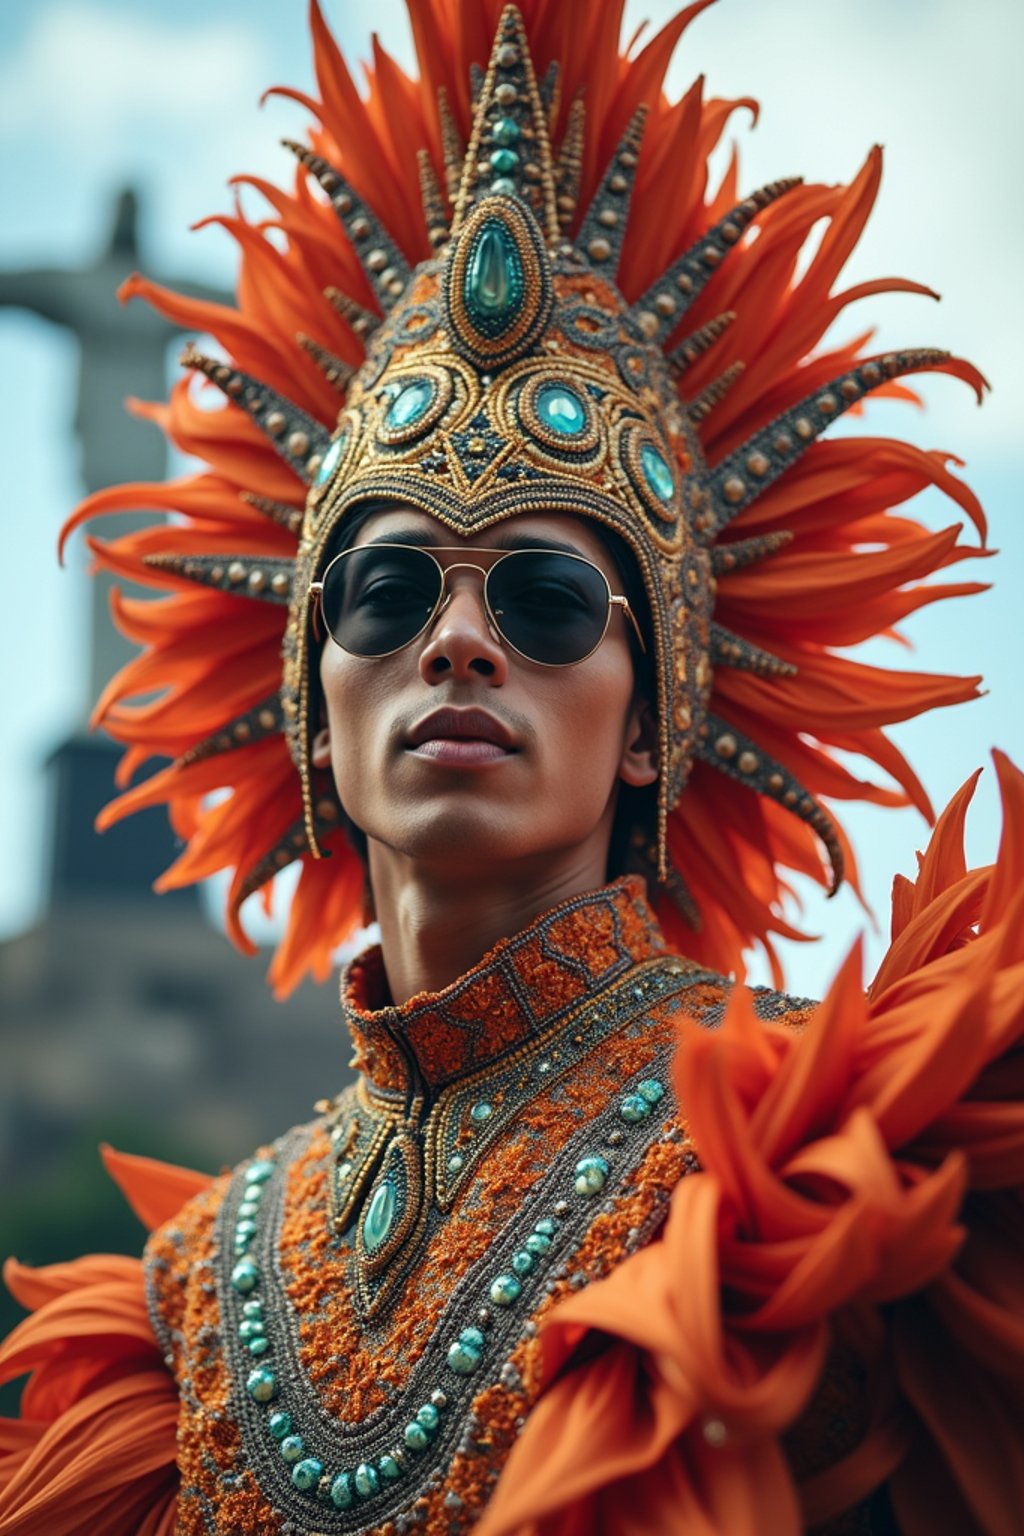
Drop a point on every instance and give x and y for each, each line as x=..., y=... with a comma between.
x=258, y=1346
x=591, y=1176
x=657, y=473
x=429, y=1417
x=561, y=410
x=306, y=1474
x=292, y=1447
x=366, y=1480
x=389, y=1469
x=280, y=1424
x=415, y=1437
x=261, y=1385
x=259, y=1172
x=455, y=1162
x=651, y=1090
x=245, y=1276
x=504, y=161
x=505, y=131
x=253, y=1308
x=464, y=1355
x=342, y=1496
x=505, y=1290
x=503, y=186
x=523, y=1262
x=633, y=1108
x=481, y=1113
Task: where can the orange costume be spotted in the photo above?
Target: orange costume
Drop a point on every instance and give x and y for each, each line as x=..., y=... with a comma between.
x=599, y=1241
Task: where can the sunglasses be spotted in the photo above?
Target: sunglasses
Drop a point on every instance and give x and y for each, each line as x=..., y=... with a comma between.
x=551, y=608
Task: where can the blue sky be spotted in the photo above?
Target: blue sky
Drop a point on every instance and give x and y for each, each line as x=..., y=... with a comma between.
x=96, y=93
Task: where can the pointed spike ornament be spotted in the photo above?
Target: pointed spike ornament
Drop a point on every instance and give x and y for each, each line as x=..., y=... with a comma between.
x=698, y=342
x=741, y=759
x=264, y=719
x=509, y=150
x=386, y=268
x=277, y=511
x=551, y=92
x=715, y=393
x=266, y=578
x=301, y=441
x=432, y=198
x=337, y=373
x=729, y=650
x=569, y=169
x=736, y=557
x=288, y=848
x=603, y=229
x=658, y=311
x=453, y=151
x=753, y=467
x=360, y=320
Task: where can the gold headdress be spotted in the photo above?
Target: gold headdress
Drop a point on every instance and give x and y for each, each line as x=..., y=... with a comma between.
x=586, y=335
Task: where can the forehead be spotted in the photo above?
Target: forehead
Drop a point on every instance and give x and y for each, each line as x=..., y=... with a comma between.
x=558, y=529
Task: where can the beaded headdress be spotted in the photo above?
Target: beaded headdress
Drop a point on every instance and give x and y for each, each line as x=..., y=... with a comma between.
x=572, y=324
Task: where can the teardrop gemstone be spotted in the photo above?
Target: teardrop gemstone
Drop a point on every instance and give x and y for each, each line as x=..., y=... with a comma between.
x=493, y=286
x=380, y=1216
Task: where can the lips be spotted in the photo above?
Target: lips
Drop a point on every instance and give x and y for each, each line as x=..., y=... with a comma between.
x=462, y=725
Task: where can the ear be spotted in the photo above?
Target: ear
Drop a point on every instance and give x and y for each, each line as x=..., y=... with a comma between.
x=639, y=764
x=320, y=754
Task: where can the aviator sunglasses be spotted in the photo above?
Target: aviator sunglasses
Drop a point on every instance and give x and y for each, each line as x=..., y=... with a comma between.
x=552, y=608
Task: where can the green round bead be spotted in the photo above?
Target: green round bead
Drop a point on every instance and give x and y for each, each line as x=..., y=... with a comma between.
x=504, y=161
x=245, y=1277
x=503, y=186
x=252, y=1309
x=248, y=1208
x=389, y=1469
x=561, y=410
x=253, y=1194
x=260, y=1172
x=429, y=1417
x=634, y=1108
x=292, y=1447
x=482, y=1112
x=306, y=1474
x=651, y=1090
x=245, y=1229
x=366, y=1480
x=261, y=1384
x=280, y=1424
x=547, y=1226
x=591, y=1174
x=537, y=1243
x=408, y=406
x=464, y=1354
x=523, y=1262
x=505, y=1290
x=505, y=131
x=341, y=1491
x=258, y=1346
x=455, y=1162
x=415, y=1437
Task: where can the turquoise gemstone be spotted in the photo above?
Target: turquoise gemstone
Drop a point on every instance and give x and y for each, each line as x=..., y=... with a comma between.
x=656, y=472
x=389, y=1469
x=503, y=161
x=503, y=186
x=561, y=410
x=464, y=1355
x=306, y=1474
x=505, y=1290
x=493, y=285
x=505, y=131
x=241, y=1246
x=248, y=1208
x=330, y=461
x=245, y=1228
x=537, y=1243
x=651, y=1090
x=481, y=1112
x=366, y=1480
x=292, y=1447
x=253, y=1194
x=416, y=1437
x=279, y=1424
x=409, y=405
x=523, y=1262
x=341, y=1491
x=547, y=1226
x=261, y=1384
x=380, y=1215
x=429, y=1417
x=259, y=1172
x=455, y=1162
x=245, y=1276
x=258, y=1346
x=252, y=1309
x=634, y=1108
x=591, y=1173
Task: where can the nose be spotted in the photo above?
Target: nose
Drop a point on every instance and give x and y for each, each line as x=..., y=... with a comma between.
x=461, y=644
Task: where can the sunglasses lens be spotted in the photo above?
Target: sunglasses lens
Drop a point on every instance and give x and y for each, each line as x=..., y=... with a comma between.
x=551, y=607
x=377, y=599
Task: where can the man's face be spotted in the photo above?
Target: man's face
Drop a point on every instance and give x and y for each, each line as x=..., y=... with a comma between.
x=569, y=734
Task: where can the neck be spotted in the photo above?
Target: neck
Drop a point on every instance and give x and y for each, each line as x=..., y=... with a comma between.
x=435, y=924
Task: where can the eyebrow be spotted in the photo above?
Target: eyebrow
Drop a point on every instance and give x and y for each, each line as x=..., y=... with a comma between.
x=507, y=541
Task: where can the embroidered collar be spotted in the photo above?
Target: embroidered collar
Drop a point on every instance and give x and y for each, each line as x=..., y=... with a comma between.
x=517, y=991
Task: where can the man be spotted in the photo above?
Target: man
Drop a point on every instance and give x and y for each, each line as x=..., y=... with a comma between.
x=597, y=1241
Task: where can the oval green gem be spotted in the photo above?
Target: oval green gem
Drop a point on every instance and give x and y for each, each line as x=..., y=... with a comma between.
x=279, y=1424
x=505, y=1290
x=481, y=1112
x=306, y=1474
x=651, y=1090
x=634, y=1108
x=561, y=410
x=259, y=1172
x=546, y=1225
x=505, y=131
x=656, y=472
x=261, y=1384
x=522, y=1262
x=292, y=1447
x=493, y=284
x=429, y=1417
x=341, y=1491
x=416, y=1437
x=330, y=462
x=389, y=1469
x=503, y=186
x=537, y=1243
x=464, y=1355
x=410, y=404
x=504, y=161
x=258, y=1346
x=245, y=1228
x=380, y=1215
x=366, y=1480
x=591, y=1173
x=245, y=1277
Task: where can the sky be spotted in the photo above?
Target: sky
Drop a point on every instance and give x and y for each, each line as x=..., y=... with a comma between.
x=98, y=93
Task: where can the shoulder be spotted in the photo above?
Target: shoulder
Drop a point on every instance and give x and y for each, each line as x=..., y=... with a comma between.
x=704, y=996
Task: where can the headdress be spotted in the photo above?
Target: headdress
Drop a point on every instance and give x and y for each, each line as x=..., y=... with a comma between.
x=573, y=322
